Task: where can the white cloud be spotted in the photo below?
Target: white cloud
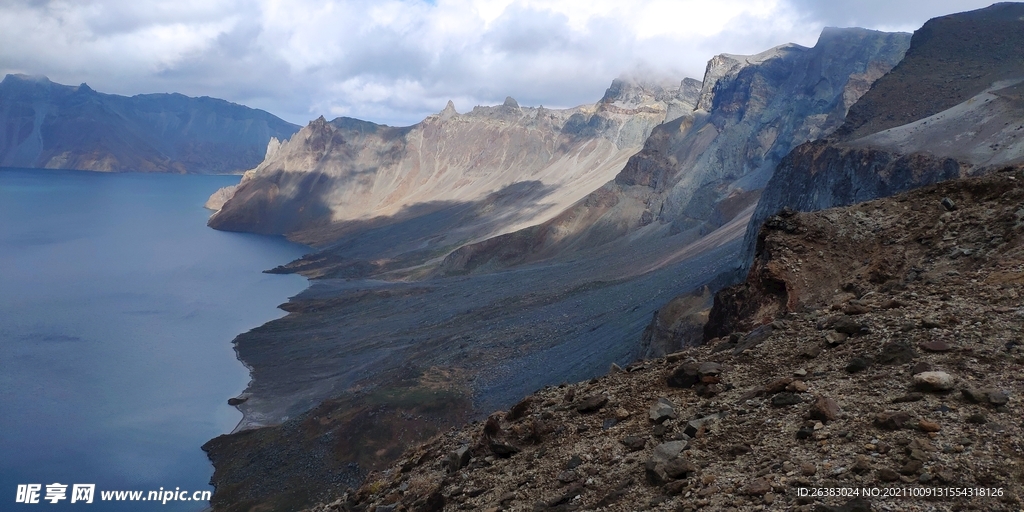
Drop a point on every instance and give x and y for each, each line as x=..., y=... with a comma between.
x=395, y=61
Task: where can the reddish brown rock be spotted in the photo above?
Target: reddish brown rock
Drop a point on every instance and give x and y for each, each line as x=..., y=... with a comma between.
x=824, y=409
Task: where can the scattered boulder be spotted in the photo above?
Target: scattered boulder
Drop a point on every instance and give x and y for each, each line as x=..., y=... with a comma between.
x=998, y=397
x=896, y=353
x=634, y=443
x=501, y=449
x=667, y=463
x=909, y=397
x=786, y=399
x=834, y=339
x=892, y=420
x=591, y=404
x=709, y=369
x=521, y=409
x=857, y=364
x=778, y=386
x=753, y=338
x=824, y=409
x=810, y=351
x=668, y=451
x=695, y=426
x=662, y=410
x=458, y=459
x=568, y=476
x=685, y=376
x=887, y=475
x=757, y=487
x=936, y=346
x=975, y=395
x=934, y=381
x=856, y=309
x=849, y=326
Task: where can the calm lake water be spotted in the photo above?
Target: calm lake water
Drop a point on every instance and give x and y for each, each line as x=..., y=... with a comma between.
x=117, y=310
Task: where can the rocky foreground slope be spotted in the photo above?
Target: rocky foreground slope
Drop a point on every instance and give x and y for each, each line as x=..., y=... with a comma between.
x=53, y=126
x=875, y=346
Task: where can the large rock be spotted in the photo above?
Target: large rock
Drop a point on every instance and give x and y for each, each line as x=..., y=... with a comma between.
x=934, y=381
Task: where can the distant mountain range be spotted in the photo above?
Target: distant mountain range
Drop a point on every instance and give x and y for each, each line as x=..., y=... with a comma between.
x=49, y=125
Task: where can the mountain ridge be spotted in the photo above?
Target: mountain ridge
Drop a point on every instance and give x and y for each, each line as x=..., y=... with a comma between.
x=48, y=125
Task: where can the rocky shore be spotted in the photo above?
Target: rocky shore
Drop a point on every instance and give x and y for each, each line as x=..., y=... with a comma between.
x=875, y=346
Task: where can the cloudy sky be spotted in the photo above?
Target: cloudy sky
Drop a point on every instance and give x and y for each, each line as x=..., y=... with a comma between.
x=395, y=61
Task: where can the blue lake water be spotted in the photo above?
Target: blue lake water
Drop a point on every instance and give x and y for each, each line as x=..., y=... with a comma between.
x=117, y=310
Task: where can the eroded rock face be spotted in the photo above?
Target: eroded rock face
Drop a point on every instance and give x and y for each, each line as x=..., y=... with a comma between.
x=53, y=126
x=512, y=165
x=697, y=173
x=909, y=130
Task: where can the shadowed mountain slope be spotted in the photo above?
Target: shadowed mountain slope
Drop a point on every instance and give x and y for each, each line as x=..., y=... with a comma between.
x=335, y=178
x=699, y=172
x=953, y=107
x=48, y=125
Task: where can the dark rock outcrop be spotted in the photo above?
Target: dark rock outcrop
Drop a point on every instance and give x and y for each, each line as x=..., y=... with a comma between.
x=908, y=130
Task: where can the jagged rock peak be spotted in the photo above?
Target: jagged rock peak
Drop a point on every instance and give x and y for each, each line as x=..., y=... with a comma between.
x=318, y=124
x=449, y=111
x=689, y=89
x=725, y=64
x=634, y=91
x=510, y=102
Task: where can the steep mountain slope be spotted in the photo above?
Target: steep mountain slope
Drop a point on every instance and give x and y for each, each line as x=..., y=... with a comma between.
x=952, y=107
x=48, y=125
x=697, y=173
x=361, y=368
x=905, y=381
x=344, y=176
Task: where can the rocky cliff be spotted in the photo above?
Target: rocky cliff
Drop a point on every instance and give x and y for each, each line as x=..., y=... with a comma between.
x=952, y=107
x=462, y=176
x=699, y=172
x=48, y=125
x=874, y=346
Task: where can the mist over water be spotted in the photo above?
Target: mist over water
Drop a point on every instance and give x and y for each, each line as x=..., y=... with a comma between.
x=117, y=310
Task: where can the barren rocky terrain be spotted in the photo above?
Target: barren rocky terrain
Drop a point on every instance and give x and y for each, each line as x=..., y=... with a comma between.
x=876, y=346
x=408, y=327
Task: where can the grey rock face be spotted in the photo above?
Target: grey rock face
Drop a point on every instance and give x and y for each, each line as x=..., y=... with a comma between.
x=910, y=129
x=700, y=171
